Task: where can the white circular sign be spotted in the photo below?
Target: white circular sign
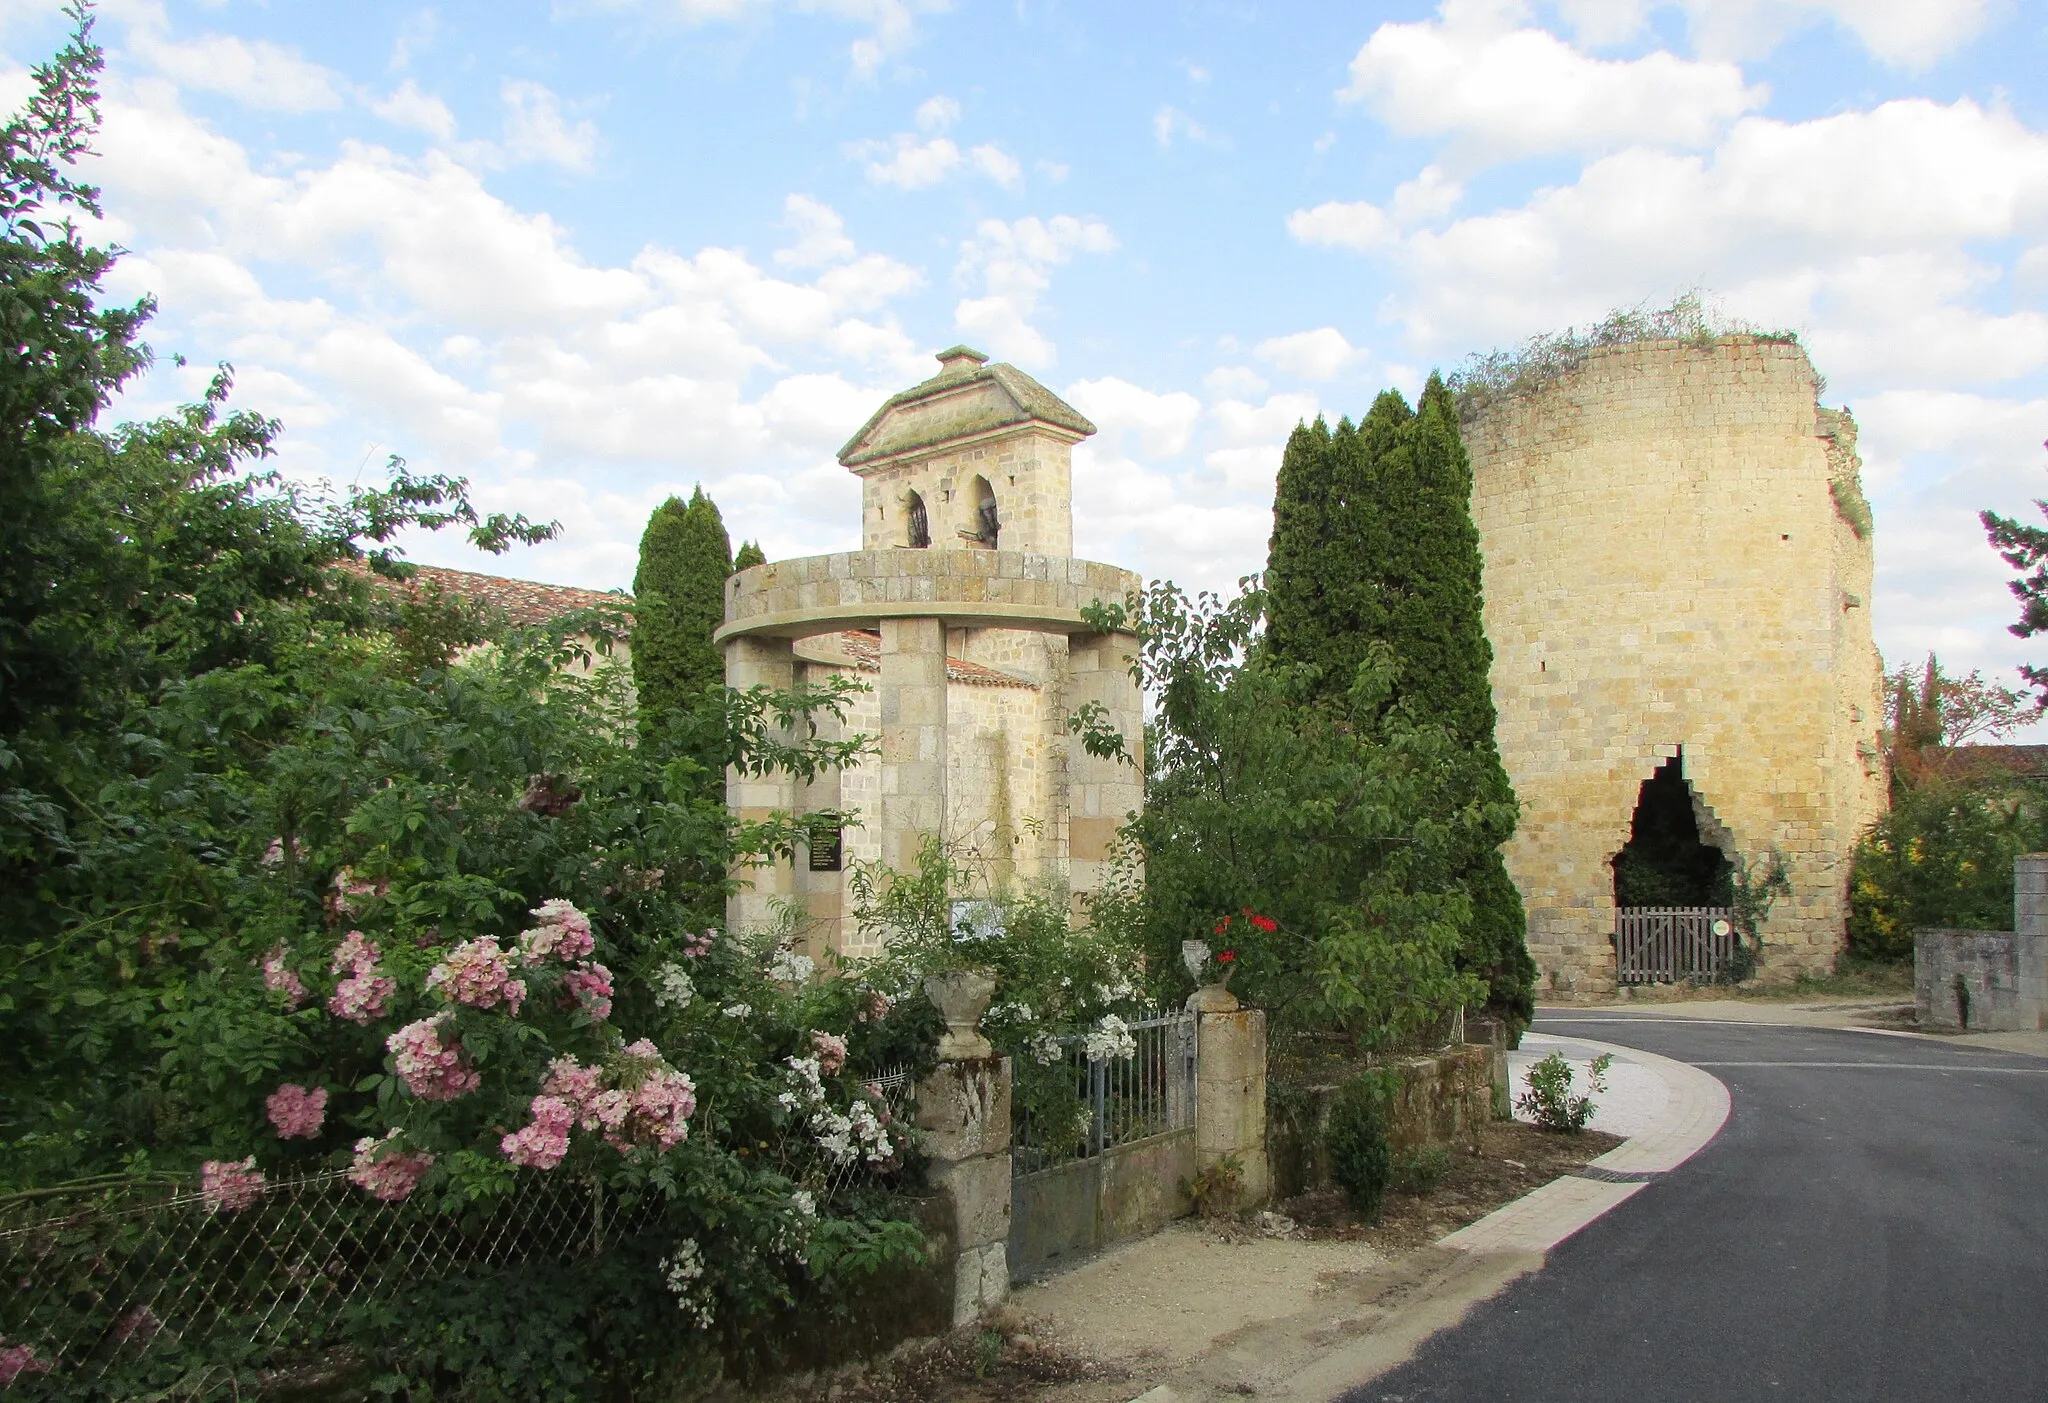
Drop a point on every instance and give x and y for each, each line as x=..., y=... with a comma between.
x=1721, y=927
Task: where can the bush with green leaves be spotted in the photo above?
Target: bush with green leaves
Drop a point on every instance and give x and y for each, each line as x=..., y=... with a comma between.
x=1361, y=1160
x=1942, y=858
x=1550, y=1101
x=297, y=879
x=1342, y=821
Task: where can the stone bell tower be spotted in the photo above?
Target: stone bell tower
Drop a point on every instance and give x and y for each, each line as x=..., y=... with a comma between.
x=965, y=606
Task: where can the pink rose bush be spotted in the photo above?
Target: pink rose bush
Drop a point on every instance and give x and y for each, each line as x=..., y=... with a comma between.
x=479, y=974
x=296, y=1112
x=698, y=946
x=831, y=1050
x=542, y=1144
x=430, y=1068
x=360, y=997
x=227, y=1186
x=386, y=1172
x=17, y=1360
x=279, y=978
x=590, y=988
x=563, y=934
x=640, y=1101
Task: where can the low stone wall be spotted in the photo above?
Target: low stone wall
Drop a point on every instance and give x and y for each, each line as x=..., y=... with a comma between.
x=1980, y=981
x=1989, y=981
x=1441, y=1098
x=1074, y=1209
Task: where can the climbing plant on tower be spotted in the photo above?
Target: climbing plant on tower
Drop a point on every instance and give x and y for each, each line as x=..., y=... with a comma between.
x=678, y=603
x=1373, y=542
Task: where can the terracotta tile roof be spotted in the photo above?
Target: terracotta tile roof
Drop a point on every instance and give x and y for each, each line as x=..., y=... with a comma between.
x=526, y=603
x=2024, y=761
x=523, y=602
x=863, y=650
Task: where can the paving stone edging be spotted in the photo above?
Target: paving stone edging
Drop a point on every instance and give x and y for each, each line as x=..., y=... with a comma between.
x=1695, y=1110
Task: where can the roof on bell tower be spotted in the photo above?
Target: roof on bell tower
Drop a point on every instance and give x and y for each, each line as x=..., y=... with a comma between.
x=969, y=396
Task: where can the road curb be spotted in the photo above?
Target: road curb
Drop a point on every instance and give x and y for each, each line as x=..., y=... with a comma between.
x=1696, y=1110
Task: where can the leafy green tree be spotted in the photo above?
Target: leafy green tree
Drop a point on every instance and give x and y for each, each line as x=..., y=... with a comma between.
x=2025, y=548
x=678, y=603
x=749, y=554
x=1341, y=835
x=1942, y=858
x=1374, y=544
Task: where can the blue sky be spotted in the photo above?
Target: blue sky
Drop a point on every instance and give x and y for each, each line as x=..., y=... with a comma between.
x=591, y=253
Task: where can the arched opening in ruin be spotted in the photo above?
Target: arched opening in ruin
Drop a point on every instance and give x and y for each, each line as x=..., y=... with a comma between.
x=1666, y=862
x=920, y=524
x=988, y=524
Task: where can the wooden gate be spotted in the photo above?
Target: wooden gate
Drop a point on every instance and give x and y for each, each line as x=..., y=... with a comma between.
x=1664, y=944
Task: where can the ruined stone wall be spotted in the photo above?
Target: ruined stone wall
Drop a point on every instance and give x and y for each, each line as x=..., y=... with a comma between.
x=1667, y=567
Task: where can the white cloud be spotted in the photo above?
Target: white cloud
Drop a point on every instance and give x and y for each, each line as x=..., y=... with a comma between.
x=256, y=72
x=1170, y=123
x=1902, y=33
x=1013, y=264
x=473, y=337
x=1321, y=354
x=936, y=114
x=908, y=163
x=892, y=24
x=998, y=165
x=1234, y=382
x=407, y=106
x=820, y=234
x=536, y=130
x=1161, y=423
x=1354, y=224
x=1502, y=93
x=911, y=164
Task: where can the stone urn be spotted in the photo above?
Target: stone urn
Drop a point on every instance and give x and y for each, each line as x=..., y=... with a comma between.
x=962, y=996
x=1207, y=998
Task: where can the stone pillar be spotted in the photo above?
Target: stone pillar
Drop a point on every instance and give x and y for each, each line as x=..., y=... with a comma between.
x=964, y=1110
x=823, y=893
x=913, y=705
x=1101, y=791
x=766, y=662
x=2030, y=924
x=1230, y=1089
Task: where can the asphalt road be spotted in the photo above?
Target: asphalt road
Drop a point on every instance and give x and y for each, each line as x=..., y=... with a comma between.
x=1872, y=1224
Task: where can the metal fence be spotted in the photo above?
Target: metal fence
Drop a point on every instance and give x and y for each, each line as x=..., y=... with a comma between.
x=97, y=1281
x=1072, y=1108
x=119, y=1280
x=1664, y=944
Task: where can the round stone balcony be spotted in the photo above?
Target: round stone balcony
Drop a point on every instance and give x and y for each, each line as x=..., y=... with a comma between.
x=961, y=588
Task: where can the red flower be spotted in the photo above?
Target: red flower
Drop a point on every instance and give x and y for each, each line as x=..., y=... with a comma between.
x=1226, y=957
x=1265, y=923
x=1222, y=926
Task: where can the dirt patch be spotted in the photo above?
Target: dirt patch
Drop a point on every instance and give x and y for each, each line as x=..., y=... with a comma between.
x=1236, y=1304
x=1513, y=1159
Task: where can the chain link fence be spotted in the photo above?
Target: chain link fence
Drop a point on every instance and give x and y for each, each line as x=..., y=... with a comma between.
x=96, y=1278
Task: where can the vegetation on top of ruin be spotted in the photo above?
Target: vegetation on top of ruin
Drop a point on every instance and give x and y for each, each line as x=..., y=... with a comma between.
x=1488, y=377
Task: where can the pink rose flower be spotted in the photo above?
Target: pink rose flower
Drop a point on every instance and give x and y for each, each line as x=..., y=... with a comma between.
x=17, y=1360
x=297, y=1112
x=831, y=1050
x=590, y=987
x=563, y=934
x=541, y=1144
x=230, y=1185
x=279, y=978
x=385, y=1171
x=477, y=973
x=431, y=1069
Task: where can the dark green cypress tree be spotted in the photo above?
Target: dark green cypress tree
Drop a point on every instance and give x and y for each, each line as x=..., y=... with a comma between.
x=678, y=603
x=749, y=554
x=1373, y=540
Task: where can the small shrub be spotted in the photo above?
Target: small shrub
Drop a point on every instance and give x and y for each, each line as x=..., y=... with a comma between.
x=1419, y=1171
x=1360, y=1159
x=1216, y=1190
x=1549, y=1097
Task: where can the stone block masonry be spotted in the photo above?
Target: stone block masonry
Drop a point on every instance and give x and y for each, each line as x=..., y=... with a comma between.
x=1989, y=981
x=1667, y=570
